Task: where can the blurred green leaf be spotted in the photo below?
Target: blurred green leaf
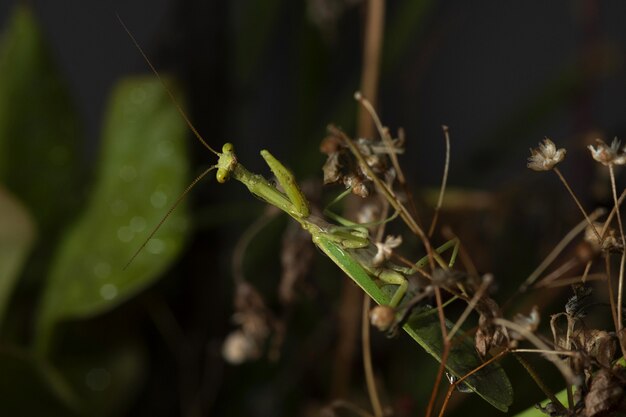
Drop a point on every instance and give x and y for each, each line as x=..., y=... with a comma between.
x=17, y=233
x=142, y=171
x=39, y=139
x=28, y=388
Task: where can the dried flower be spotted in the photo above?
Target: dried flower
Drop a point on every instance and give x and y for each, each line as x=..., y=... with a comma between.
x=385, y=249
x=530, y=322
x=608, y=155
x=605, y=394
x=545, y=157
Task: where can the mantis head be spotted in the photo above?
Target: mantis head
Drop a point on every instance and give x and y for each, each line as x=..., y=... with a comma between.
x=226, y=163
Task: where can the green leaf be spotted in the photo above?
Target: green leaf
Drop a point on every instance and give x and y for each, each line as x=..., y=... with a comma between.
x=40, y=146
x=142, y=171
x=17, y=233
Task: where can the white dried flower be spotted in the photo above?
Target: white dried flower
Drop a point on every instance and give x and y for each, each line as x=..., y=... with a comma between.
x=545, y=157
x=608, y=155
x=385, y=249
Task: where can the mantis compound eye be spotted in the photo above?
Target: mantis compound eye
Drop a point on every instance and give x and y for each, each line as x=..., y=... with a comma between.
x=228, y=148
x=222, y=175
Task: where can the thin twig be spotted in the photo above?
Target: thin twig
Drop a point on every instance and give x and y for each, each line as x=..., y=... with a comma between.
x=579, y=228
x=607, y=268
x=559, y=272
x=542, y=386
x=575, y=280
x=623, y=258
x=444, y=354
x=444, y=181
x=470, y=306
x=580, y=206
x=464, y=377
x=567, y=373
x=370, y=379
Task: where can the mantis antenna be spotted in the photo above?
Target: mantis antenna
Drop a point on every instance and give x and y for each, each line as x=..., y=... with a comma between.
x=169, y=92
x=176, y=203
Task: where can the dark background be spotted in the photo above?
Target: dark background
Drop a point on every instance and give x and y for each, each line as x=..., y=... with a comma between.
x=501, y=75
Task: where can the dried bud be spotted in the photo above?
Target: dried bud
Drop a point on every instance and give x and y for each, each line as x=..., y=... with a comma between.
x=545, y=157
x=238, y=348
x=608, y=155
x=382, y=317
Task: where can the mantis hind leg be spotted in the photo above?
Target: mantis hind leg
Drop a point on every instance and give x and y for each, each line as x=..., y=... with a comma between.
x=287, y=180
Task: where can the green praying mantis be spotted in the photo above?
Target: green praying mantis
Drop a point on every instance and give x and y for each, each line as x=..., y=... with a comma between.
x=349, y=247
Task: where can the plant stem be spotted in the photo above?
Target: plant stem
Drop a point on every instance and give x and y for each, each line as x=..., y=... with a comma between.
x=564, y=181
x=370, y=379
x=622, y=260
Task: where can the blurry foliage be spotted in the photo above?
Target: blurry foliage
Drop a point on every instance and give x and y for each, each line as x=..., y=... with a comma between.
x=143, y=153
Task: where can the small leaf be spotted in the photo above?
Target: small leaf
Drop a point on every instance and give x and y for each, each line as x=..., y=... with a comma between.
x=142, y=171
x=17, y=233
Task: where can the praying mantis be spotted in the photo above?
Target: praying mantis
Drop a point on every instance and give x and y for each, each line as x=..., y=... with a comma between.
x=349, y=247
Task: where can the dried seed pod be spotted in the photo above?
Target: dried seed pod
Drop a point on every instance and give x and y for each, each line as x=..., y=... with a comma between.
x=239, y=348
x=382, y=317
x=488, y=335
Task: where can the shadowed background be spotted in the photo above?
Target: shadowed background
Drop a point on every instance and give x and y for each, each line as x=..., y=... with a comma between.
x=272, y=75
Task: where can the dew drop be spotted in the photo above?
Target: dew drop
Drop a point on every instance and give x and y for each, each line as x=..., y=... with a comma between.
x=158, y=199
x=125, y=234
x=137, y=224
x=155, y=246
x=98, y=379
x=108, y=291
x=102, y=270
x=119, y=207
x=128, y=173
